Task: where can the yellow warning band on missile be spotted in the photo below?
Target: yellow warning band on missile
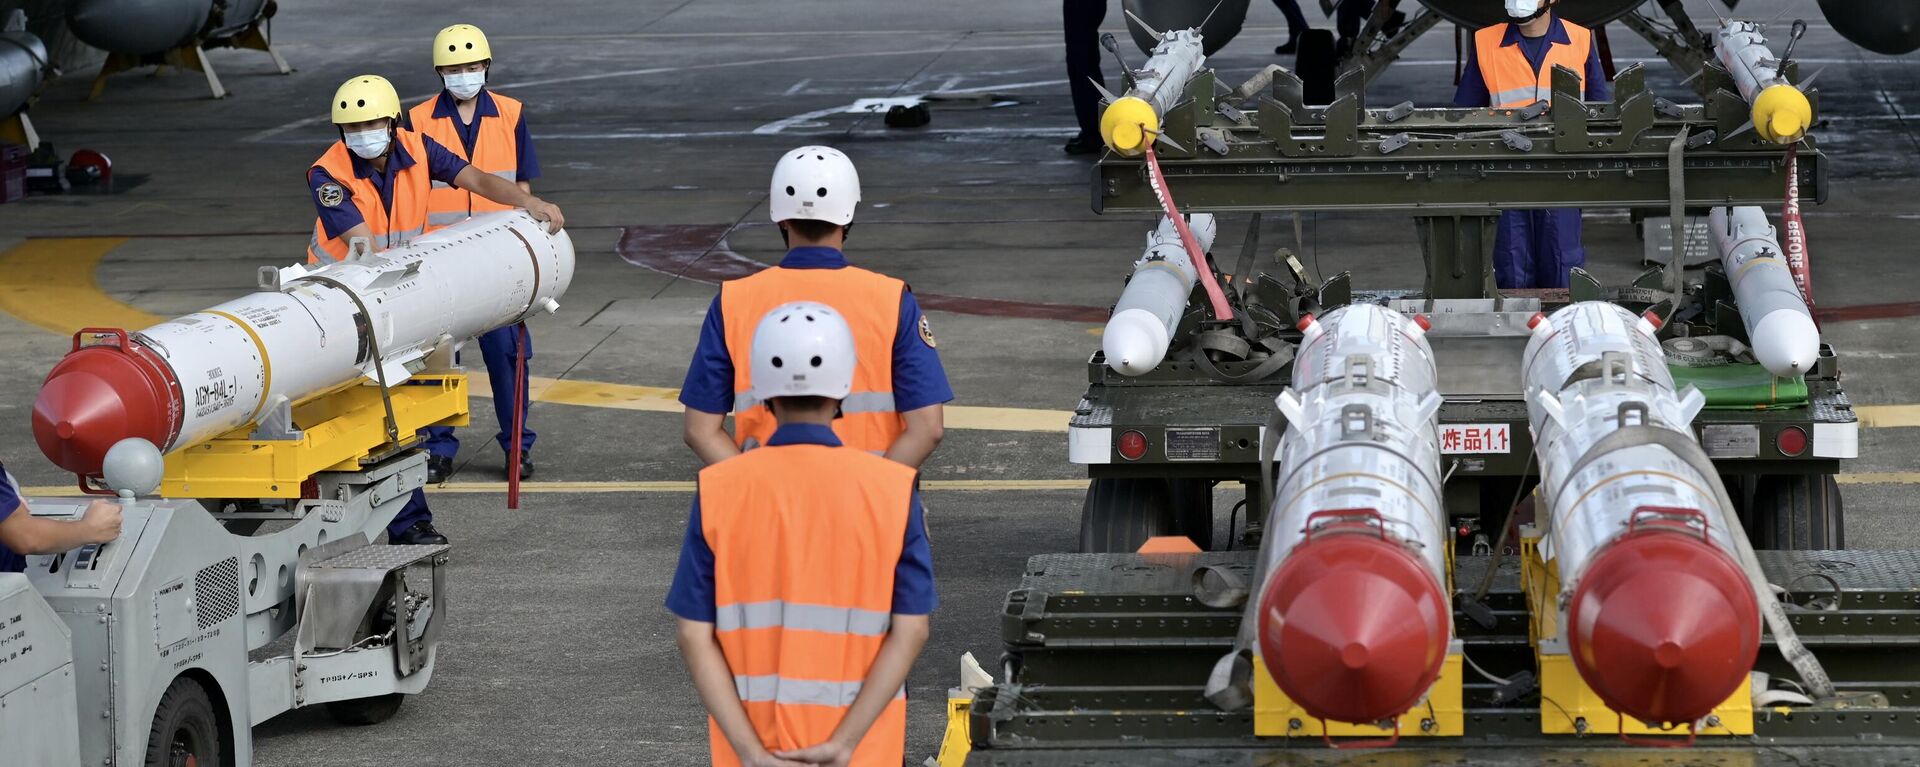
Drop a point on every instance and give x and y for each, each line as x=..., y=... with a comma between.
x=1782, y=114
x=1128, y=124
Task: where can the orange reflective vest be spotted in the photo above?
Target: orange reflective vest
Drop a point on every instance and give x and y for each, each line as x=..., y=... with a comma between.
x=870, y=303
x=495, y=151
x=391, y=227
x=805, y=541
x=1512, y=82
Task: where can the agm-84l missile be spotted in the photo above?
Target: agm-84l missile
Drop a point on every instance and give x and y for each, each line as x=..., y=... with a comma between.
x=1133, y=119
x=1780, y=330
x=1658, y=617
x=1353, y=619
x=1150, y=308
x=312, y=331
x=1781, y=112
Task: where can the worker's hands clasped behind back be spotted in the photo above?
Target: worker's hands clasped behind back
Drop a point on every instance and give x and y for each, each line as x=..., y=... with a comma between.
x=101, y=522
x=831, y=753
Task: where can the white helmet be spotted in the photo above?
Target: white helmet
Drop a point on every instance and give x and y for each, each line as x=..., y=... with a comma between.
x=814, y=182
x=1522, y=9
x=802, y=349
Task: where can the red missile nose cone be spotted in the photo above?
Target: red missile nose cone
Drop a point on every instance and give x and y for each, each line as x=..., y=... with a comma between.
x=1663, y=626
x=98, y=396
x=1353, y=628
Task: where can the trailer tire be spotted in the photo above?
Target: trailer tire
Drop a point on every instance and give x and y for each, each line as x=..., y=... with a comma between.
x=1193, y=510
x=185, y=732
x=361, y=712
x=1798, y=512
x=1122, y=513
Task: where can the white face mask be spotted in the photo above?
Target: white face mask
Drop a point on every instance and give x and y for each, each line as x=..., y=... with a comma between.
x=465, y=85
x=368, y=144
x=1523, y=9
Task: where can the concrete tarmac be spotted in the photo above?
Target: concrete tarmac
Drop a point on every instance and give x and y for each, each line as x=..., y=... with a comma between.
x=657, y=122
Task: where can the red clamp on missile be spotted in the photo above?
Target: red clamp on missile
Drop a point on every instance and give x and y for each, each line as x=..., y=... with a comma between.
x=98, y=395
x=1654, y=323
x=1353, y=628
x=1663, y=625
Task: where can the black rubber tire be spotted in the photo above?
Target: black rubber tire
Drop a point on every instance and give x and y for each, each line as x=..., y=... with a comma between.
x=186, y=732
x=1797, y=512
x=365, y=711
x=1315, y=63
x=1193, y=510
x=1120, y=514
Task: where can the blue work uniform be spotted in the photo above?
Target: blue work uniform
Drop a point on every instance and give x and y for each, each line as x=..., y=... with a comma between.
x=1535, y=248
x=10, y=562
x=692, y=594
x=919, y=380
x=442, y=166
x=497, y=346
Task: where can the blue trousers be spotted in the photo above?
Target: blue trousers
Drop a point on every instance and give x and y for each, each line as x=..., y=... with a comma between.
x=498, y=350
x=414, y=512
x=1536, y=248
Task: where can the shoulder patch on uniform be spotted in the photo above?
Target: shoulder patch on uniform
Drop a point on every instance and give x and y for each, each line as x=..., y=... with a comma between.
x=331, y=195
x=926, y=333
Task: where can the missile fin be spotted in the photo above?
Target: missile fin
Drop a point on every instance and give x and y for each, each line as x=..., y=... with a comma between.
x=1291, y=407
x=1106, y=96
x=1157, y=35
x=1551, y=406
x=1691, y=402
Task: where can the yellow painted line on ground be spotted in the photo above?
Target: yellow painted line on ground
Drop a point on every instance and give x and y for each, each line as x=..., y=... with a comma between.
x=1879, y=478
x=1887, y=416
x=500, y=488
x=656, y=399
x=50, y=283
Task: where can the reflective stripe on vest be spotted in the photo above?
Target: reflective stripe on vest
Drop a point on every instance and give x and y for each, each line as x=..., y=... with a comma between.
x=805, y=541
x=1511, y=80
x=870, y=303
x=802, y=617
x=496, y=150
x=799, y=692
x=408, y=219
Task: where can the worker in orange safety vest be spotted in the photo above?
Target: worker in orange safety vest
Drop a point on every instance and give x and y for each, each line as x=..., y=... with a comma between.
x=1510, y=66
x=805, y=580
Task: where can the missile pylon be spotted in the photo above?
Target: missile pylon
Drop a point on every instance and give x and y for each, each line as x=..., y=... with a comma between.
x=1353, y=617
x=1780, y=329
x=1660, y=620
x=1781, y=112
x=1149, y=309
x=1134, y=118
x=308, y=332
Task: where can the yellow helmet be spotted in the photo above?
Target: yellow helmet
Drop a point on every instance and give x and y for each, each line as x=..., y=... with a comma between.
x=363, y=98
x=460, y=44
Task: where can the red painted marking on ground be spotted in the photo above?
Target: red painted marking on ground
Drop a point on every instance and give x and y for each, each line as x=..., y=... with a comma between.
x=1868, y=312
x=699, y=252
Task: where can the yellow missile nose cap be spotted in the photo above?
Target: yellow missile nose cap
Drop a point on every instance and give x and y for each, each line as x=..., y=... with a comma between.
x=1782, y=114
x=1128, y=124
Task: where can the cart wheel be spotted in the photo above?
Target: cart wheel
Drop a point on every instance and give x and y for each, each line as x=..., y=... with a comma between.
x=1193, y=510
x=1797, y=512
x=364, y=711
x=1315, y=65
x=1121, y=514
x=185, y=731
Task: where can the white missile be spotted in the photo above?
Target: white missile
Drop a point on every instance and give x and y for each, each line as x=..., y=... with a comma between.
x=311, y=331
x=1658, y=617
x=1781, y=111
x=1780, y=330
x=1149, y=310
x=1353, y=619
x=1133, y=119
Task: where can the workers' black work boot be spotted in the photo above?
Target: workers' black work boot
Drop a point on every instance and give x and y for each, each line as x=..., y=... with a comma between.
x=420, y=534
x=526, y=466
x=1083, y=144
x=438, y=469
